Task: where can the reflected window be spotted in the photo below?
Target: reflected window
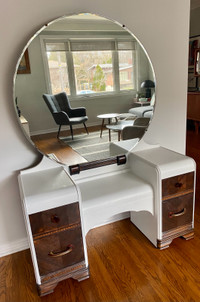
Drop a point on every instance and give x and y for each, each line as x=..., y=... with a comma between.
x=94, y=66
x=126, y=70
x=57, y=65
x=93, y=71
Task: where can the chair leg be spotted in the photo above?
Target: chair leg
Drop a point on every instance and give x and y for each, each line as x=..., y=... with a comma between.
x=59, y=131
x=71, y=129
x=86, y=128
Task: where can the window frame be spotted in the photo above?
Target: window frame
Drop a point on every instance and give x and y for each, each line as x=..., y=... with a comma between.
x=70, y=66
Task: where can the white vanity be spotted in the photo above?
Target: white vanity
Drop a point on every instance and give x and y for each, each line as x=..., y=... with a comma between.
x=61, y=203
x=155, y=185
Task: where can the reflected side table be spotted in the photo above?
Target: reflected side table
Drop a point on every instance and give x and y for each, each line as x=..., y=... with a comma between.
x=108, y=116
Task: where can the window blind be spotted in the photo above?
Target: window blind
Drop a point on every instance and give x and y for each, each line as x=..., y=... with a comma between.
x=126, y=45
x=92, y=45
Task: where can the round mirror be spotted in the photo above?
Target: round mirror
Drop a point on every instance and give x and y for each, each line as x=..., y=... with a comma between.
x=84, y=89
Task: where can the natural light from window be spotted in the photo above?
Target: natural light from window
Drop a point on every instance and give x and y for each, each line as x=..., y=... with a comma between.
x=93, y=71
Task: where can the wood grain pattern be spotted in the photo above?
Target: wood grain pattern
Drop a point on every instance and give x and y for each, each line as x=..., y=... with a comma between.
x=172, y=208
x=193, y=108
x=58, y=243
x=177, y=184
x=54, y=219
x=78, y=272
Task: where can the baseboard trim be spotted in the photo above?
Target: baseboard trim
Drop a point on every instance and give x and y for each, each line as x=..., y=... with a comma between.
x=52, y=130
x=13, y=247
x=115, y=218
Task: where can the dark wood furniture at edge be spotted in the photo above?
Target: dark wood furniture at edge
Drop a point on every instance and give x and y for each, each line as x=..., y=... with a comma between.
x=193, y=108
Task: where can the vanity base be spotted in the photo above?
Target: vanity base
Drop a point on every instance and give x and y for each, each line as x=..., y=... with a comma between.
x=186, y=232
x=48, y=286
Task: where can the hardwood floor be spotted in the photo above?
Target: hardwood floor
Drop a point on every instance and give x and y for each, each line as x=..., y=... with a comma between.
x=124, y=265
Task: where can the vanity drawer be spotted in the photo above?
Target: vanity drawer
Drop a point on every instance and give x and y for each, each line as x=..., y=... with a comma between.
x=177, y=184
x=177, y=212
x=54, y=219
x=59, y=250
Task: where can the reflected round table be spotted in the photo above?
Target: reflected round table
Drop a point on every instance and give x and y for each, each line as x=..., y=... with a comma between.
x=108, y=116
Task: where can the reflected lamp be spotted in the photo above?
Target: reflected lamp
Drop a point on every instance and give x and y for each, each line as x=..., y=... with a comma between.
x=148, y=85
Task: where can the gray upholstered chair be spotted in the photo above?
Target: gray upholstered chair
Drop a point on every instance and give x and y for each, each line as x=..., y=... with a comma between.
x=137, y=130
x=62, y=112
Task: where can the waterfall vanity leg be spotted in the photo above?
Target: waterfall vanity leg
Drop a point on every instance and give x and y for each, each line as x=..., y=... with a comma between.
x=156, y=186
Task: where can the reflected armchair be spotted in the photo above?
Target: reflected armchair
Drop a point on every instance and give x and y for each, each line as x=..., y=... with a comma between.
x=62, y=112
x=137, y=130
x=144, y=111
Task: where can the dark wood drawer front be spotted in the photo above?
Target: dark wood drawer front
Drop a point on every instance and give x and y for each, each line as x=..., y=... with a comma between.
x=60, y=250
x=177, y=184
x=177, y=212
x=54, y=219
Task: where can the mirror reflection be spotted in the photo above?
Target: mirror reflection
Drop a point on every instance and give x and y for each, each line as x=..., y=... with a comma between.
x=84, y=89
x=197, y=62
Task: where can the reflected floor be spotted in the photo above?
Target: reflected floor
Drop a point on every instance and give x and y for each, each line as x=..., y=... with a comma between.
x=49, y=144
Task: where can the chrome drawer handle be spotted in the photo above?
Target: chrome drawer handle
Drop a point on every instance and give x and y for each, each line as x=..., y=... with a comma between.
x=62, y=253
x=177, y=214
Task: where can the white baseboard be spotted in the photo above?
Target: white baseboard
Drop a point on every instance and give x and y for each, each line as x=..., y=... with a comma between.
x=115, y=218
x=52, y=130
x=13, y=247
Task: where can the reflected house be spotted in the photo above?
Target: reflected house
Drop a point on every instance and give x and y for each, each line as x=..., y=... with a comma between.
x=125, y=74
x=59, y=76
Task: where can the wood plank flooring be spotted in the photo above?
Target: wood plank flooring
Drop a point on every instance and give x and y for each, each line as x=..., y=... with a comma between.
x=124, y=265
x=48, y=143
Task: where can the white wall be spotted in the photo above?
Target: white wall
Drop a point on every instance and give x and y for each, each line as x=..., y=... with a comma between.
x=162, y=27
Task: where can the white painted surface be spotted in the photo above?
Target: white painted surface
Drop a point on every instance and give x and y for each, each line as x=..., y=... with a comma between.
x=155, y=24
x=168, y=163
x=47, y=189
x=122, y=147
x=104, y=197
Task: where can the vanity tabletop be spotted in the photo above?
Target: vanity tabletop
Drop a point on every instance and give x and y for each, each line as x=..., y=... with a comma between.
x=169, y=163
x=46, y=189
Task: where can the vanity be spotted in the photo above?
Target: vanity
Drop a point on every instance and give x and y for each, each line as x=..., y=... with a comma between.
x=155, y=185
x=151, y=185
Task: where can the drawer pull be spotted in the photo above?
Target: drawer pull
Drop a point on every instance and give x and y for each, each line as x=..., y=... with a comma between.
x=62, y=253
x=55, y=219
x=177, y=214
x=178, y=185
